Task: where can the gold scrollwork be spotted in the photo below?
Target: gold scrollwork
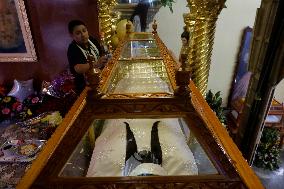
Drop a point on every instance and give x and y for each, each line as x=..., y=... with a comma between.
x=107, y=18
x=201, y=22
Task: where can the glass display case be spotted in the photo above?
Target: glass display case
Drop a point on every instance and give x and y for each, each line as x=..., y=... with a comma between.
x=141, y=124
x=148, y=76
x=181, y=152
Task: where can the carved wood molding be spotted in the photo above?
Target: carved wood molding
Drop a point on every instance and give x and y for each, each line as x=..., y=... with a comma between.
x=156, y=106
x=198, y=115
x=193, y=184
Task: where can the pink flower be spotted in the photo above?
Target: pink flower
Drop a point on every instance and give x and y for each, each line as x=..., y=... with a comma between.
x=6, y=111
x=17, y=106
x=35, y=100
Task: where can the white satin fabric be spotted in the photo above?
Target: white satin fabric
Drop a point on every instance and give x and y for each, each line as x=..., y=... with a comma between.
x=22, y=89
x=110, y=148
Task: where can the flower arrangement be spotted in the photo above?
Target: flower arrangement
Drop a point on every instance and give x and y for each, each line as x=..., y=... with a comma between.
x=42, y=126
x=53, y=118
x=268, y=153
x=9, y=107
x=12, y=109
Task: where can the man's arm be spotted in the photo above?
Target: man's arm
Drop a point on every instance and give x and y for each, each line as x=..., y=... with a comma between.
x=81, y=68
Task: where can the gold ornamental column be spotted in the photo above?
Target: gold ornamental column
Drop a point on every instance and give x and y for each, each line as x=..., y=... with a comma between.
x=201, y=23
x=106, y=18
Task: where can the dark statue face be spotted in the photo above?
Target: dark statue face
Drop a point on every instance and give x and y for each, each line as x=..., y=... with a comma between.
x=184, y=41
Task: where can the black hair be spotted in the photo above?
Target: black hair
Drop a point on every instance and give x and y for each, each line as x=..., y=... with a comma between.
x=141, y=10
x=185, y=33
x=73, y=23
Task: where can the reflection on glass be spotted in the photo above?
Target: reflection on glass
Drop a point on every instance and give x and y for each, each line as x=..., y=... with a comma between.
x=138, y=147
x=140, y=76
x=140, y=12
x=144, y=36
x=140, y=49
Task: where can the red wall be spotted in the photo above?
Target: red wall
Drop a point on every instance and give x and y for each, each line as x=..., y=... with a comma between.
x=48, y=22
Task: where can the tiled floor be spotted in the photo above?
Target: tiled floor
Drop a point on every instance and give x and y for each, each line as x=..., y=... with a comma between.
x=275, y=179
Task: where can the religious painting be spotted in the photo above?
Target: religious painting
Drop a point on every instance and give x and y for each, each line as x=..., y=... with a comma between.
x=16, y=44
x=242, y=75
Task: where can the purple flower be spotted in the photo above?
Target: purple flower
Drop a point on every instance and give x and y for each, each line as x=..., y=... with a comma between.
x=19, y=107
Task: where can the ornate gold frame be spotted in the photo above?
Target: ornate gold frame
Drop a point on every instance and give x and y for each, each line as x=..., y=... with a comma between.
x=30, y=54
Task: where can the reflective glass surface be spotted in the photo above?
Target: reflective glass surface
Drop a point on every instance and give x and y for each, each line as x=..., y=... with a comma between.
x=143, y=36
x=138, y=147
x=140, y=49
x=139, y=76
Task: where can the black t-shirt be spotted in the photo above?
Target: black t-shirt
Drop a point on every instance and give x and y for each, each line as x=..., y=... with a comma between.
x=76, y=56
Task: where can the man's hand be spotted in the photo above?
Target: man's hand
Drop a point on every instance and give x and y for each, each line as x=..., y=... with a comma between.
x=102, y=61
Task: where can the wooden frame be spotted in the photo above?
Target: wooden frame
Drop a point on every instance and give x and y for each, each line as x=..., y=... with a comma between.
x=276, y=110
x=233, y=170
x=240, y=83
x=23, y=50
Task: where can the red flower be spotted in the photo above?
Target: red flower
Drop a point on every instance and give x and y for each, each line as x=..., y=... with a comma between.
x=17, y=106
x=6, y=111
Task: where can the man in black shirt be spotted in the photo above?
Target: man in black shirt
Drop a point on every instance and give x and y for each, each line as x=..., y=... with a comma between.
x=81, y=51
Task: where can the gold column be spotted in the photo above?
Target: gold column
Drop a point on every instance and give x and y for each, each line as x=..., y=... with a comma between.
x=106, y=19
x=201, y=22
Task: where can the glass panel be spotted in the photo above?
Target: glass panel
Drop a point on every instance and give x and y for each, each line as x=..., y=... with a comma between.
x=144, y=36
x=138, y=147
x=140, y=13
x=140, y=49
x=140, y=76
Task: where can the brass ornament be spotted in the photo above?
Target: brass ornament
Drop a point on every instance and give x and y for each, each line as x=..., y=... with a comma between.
x=107, y=18
x=201, y=23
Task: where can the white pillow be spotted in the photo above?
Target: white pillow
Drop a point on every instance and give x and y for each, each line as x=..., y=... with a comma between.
x=22, y=89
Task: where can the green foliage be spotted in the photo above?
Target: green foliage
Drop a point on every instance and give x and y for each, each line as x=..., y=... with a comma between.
x=168, y=3
x=268, y=153
x=215, y=102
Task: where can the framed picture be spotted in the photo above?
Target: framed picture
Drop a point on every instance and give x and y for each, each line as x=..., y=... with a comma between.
x=16, y=43
x=242, y=75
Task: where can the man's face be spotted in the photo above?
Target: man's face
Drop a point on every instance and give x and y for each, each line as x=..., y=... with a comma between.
x=184, y=41
x=80, y=34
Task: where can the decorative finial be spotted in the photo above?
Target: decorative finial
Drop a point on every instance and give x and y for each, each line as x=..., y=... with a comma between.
x=182, y=81
x=93, y=79
x=154, y=26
